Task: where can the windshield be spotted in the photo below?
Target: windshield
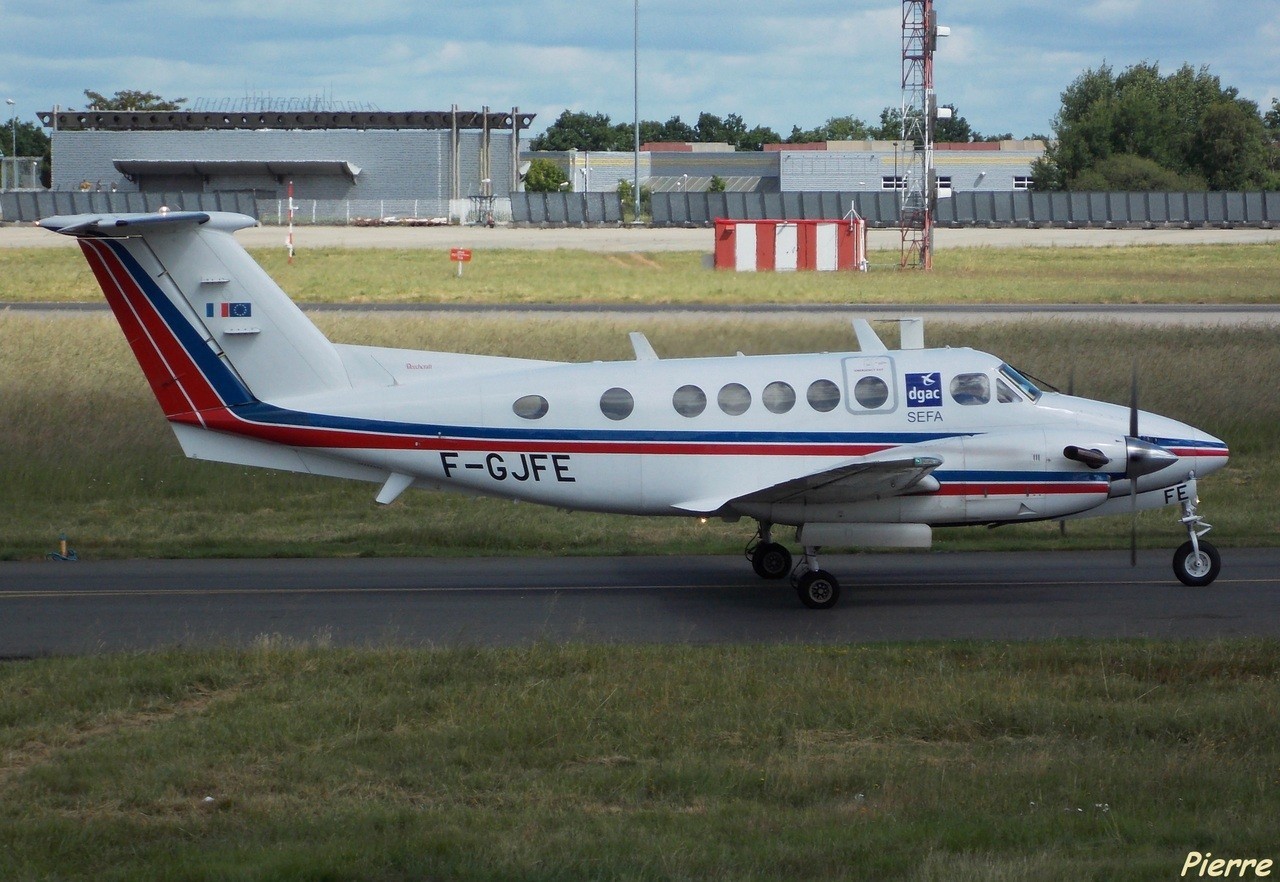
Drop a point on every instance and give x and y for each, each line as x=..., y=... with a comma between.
x=1028, y=388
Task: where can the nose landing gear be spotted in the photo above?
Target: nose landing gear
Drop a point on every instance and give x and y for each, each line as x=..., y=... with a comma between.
x=1196, y=562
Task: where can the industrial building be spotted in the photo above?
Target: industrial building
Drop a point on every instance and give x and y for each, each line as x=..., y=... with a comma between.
x=340, y=165
x=868, y=166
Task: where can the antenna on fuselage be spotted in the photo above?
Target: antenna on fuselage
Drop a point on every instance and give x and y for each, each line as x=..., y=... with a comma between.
x=643, y=348
x=868, y=339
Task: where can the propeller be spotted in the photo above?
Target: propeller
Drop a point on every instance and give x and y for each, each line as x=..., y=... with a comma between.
x=1133, y=479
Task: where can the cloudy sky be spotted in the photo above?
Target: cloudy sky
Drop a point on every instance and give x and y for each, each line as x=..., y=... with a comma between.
x=778, y=64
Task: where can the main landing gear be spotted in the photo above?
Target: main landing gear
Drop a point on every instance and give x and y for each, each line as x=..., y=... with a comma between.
x=1196, y=562
x=816, y=588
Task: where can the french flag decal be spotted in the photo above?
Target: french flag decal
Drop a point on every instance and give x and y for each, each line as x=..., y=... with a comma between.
x=228, y=310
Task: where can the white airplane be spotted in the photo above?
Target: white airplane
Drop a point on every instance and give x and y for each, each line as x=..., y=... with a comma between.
x=871, y=448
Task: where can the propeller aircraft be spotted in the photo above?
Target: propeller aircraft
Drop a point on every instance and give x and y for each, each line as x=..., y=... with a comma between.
x=867, y=448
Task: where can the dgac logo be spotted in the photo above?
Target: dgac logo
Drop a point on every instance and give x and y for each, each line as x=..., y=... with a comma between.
x=924, y=390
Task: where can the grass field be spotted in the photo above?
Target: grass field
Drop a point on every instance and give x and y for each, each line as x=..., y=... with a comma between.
x=1055, y=761
x=1134, y=274
x=88, y=453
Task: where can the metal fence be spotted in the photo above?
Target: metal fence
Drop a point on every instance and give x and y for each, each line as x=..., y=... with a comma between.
x=879, y=209
x=567, y=209
x=996, y=209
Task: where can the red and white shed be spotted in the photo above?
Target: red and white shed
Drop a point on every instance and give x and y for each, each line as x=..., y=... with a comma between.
x=751, y=245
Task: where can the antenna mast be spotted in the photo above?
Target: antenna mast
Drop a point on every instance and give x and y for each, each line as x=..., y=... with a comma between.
x=916, y=178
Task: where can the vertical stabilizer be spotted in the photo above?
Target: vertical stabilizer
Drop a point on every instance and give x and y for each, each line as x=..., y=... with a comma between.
x=209, y=326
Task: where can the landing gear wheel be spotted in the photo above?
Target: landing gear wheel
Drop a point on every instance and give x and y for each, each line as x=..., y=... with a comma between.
x=771, y=560
x=818, y=589
x=1196, y=569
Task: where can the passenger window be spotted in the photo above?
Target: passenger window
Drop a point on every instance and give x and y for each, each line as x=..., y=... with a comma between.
x=779, y=397
x=530, y=407
x=734, y=399
x=1004, y=394
x=689, y=401
x=617, y=403
x=871, y=392
x=970, y=389
x=824, y=395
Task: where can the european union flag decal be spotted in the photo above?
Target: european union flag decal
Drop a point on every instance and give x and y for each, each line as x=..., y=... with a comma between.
x=228, y=310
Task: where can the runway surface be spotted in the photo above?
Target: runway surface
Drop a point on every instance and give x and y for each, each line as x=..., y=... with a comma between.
x=84, y=607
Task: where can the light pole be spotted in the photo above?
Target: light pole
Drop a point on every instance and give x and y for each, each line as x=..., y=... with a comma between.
x=13, y=112
x=635, y=95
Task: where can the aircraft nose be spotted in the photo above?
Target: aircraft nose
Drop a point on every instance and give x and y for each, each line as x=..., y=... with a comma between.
x=1211, y=454
x=1198, y=450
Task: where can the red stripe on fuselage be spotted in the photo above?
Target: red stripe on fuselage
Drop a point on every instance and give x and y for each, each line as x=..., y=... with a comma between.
x=223, y=419
x=1200, y=451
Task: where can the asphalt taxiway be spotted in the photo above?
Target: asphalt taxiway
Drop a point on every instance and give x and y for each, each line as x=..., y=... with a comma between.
x=106, y=606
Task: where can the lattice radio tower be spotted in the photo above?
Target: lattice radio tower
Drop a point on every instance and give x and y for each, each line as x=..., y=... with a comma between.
x=915, y=176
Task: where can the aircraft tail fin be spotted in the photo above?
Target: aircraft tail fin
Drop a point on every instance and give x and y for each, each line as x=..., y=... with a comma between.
x=208, y=326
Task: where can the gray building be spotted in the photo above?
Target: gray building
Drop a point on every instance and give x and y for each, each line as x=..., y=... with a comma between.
x=340, y=165
x=986, y=166
x=832, y=166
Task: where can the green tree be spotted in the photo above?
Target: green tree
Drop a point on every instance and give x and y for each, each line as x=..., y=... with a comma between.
x=756, y=138
x=31, y=141
x=544, y=176
x=1231, y=149
x=582, y=131
x=956, y=129
x=837, y=128
x=673, y=130
x=626, y=195
x=717, y=184
x=890, y=128
x=711, y=128
x=1126, y=172
x=1271, y=122
x=131, y=100
x=1186, y=123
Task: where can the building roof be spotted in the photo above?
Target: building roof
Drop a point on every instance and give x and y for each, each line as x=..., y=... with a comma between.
x=277, y=168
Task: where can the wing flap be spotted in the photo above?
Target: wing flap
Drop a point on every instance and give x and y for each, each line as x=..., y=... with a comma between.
x=866, y=478
x=855, y=481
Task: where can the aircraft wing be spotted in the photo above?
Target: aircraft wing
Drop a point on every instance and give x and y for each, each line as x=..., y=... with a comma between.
x=866, y=478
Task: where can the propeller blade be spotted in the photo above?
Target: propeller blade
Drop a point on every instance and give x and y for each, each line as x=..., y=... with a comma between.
x=1133, y=523
x=1133, y=481
x=1133, y=401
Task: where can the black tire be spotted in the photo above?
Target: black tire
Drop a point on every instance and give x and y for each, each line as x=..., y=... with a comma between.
x=818, y=589
x=771, y=561
x=1193, y=570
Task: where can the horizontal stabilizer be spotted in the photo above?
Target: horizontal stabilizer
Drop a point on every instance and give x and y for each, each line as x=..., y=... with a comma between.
x=119, y=226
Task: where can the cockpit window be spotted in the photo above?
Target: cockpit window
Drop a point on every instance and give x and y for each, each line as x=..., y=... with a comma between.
x=1028, y=388
x=1005, y=394
x=970, y=389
